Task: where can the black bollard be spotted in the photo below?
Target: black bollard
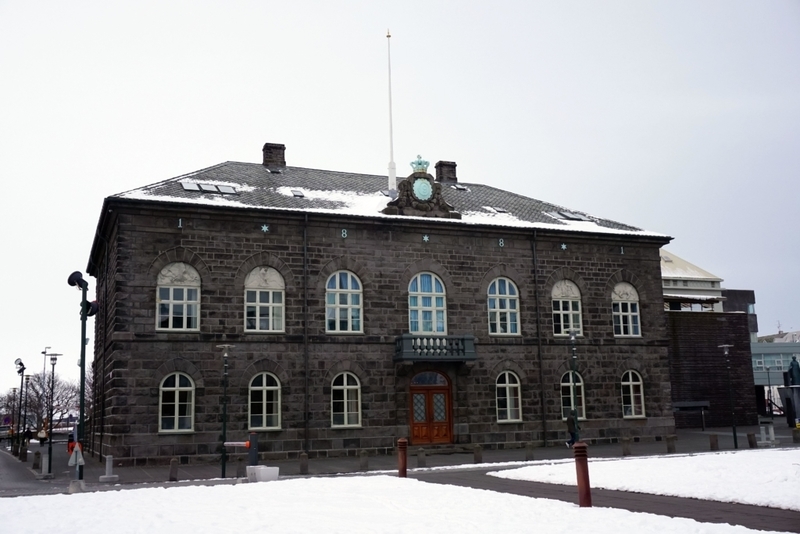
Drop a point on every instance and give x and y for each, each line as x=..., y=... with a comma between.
x=303, y=463
x=173, y=470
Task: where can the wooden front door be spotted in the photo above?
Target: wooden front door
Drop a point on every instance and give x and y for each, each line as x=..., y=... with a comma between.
x=430, y=409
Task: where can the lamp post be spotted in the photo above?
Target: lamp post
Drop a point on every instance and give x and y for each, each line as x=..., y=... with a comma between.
x=87, y=310
x=224, y=402
x=13, y=415
x=769, y=394
x=573, y=337
x=726, y=352
x=21, y=373
x=25, y=409
x=44, y=362
x=53, y=358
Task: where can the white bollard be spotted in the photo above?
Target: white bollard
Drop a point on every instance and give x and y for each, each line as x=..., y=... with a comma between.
x=109, y=476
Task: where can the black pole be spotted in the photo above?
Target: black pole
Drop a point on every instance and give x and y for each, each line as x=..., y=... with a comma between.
x=21, y=372
x=52, y=401
x=730, y=393
x=224, y=411
x=573, y=367
x=769, y=394
x=84, y=310
x=25, y=409
x=224, y=403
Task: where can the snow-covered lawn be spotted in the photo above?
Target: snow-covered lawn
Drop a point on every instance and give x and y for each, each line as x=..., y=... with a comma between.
x=760, y=477
x=387, y=504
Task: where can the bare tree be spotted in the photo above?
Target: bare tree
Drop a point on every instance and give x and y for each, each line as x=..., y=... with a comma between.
x=65, y=398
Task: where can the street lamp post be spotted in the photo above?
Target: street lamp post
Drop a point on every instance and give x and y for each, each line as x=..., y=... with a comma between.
x=44, y=361
x=726, y=352
x=224, y=402
x=21, y=373
x=573, y=337
x=87, y=310
x=13, y=415
x=769, y=394
x=53, y=358
x=25, y=408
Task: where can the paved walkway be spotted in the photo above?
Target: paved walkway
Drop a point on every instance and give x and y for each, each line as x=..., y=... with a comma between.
x=17, y=478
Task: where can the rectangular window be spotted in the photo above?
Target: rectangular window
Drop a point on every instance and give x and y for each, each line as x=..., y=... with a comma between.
x=263, y=310
x=178, y=308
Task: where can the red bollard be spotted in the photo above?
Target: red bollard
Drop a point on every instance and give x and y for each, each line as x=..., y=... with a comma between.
x=582, y=470
x=402, y=457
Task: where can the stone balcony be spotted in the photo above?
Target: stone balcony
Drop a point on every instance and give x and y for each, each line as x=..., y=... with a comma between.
x=412, y=348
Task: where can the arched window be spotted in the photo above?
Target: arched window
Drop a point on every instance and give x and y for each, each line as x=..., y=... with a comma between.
x=345, y=400
x=265, y=402
x=178, y=298
x=503, y=301
x=625, y=310
x=566, y=395
x=566, y=308
x=427, y=305
x=632, y=395
x=508, y=397
x=343, y=303
x=263, y=301
x=176, y=404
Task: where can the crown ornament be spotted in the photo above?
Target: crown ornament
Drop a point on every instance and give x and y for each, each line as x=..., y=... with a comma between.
x=420, y=165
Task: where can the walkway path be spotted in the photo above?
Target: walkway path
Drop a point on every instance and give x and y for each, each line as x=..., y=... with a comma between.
x=17, y=478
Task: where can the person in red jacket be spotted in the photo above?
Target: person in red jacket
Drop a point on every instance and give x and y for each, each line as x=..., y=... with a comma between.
x=71, y=446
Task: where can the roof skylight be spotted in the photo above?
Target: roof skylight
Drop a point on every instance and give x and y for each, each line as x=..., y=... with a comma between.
x=298, y=193
x=208, y=188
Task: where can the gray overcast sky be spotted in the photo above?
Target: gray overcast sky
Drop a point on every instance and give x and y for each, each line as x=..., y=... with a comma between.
x=681, y=117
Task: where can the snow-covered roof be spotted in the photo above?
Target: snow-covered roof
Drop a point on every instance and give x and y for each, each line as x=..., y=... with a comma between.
x=254, y=186
x=674, y=267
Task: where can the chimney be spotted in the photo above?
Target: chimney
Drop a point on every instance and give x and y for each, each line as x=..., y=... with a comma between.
x=446, y=172
x=274, y=155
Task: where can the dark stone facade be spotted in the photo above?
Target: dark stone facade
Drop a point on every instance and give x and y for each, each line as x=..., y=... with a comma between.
x=138, y=238
x=700, y=372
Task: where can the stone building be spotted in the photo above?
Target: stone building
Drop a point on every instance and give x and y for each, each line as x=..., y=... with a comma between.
x=360, y=313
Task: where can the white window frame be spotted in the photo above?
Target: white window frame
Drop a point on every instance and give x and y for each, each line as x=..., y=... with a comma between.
x=566, y=395
x=349, y=393
x=178, y=298
x=436, y=306
x=262, y=287
x=264, y=389
x=625, y=316
x=503, y=307
x=507, y=391
x=632, y=389
x=347, y=300
x=566, y=304
x=176, y=390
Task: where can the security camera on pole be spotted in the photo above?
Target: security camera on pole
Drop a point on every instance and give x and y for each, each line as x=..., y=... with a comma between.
x=88, y=309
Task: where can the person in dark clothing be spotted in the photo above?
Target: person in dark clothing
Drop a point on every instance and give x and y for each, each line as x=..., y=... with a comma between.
x=28, y=435
x=572, y=427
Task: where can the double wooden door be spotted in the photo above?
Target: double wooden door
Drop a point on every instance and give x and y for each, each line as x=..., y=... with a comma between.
x=431, y=419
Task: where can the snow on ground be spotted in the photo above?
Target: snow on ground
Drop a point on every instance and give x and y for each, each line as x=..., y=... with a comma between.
x=760, y=477
x=364, y=504
x=387, y=504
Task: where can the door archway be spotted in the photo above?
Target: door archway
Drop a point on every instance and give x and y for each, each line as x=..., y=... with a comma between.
x=431, y=409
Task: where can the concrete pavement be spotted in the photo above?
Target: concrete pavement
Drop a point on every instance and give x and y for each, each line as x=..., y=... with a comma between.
x=18, y=479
